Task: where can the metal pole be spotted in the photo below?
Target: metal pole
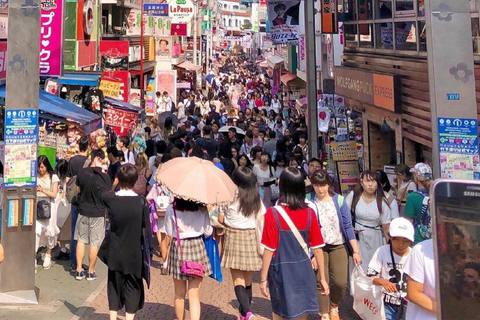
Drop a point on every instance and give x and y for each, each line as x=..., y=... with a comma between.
x=195, y=31
x=142, y=89
x=311, y=78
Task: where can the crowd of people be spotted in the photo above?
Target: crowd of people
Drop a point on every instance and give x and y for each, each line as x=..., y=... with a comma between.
x=287, y=220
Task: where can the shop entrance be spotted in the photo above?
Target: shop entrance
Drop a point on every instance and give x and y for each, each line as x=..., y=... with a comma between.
x=381, y=147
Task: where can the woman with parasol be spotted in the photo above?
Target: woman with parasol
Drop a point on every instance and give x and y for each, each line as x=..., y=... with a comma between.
x=187, y=220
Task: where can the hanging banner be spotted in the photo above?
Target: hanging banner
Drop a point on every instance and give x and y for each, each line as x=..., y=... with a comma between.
x=167, y=81
x=284, y=17
x=51, y=37
x=110, y=88
x=348, y=176
x=120, y=118
x=329, y=16
x=179, y=29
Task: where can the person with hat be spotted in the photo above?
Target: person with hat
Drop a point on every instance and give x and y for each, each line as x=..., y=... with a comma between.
x=417, y=208
x=386, y=267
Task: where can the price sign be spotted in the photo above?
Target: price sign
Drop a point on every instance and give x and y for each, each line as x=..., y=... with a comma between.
x=122, y=119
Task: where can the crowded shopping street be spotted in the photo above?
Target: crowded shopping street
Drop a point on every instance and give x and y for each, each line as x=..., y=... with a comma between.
x=250, y=160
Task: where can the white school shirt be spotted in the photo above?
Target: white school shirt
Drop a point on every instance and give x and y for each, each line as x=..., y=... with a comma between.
x=190, y=224
x=420, y=266
x=236, y=220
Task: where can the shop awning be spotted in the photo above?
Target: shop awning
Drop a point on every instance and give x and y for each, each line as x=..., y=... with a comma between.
x=287, y=77
x=187, y=65
x=78, y=79
x=292, y=80
x=148, y=66
x=122, y=105
x=274, y=61
x=263, y=64
x=61, y=108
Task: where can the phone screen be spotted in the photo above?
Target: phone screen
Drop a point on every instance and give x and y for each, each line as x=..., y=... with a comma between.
x=457, y=221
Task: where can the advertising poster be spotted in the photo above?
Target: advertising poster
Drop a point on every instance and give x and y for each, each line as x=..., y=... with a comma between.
x=167, y=81
x=344, y=151
x=3, y=60
x=110, y=88
x=150, y=98
x=284, y=17
x=51, y=37
x=114, y=55
x=21, y=133
x=163, y=48
x=459, y=150
x=134, y=97
x=122, y=119
x=163, y=26
x=348, y=176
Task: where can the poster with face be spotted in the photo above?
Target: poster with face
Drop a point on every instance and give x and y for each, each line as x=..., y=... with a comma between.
x=285, y=18
x=163, y=47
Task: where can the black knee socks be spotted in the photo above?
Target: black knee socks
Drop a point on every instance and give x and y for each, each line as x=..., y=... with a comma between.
x=249, y=292
x=243, y=299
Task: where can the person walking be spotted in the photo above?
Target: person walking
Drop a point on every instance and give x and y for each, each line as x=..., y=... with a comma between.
x=404, y=186
x=185, y=224
x=265, y=174
x=46, y=229
x=240, y=253
x=371, y=213
x=90, y=228
x=340, y=242
x=144, y=174
x=63, y=209
x=76, y=163
x=128, y=214
x=286, y=238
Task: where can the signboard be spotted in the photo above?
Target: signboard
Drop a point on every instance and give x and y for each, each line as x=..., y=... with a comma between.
x=150, y=98
x=114, y=55
x=163, y=26
x=167, y=81
x=3, y=27
x=21, y=132
x=344, y=151
x=133, y=21
x=181, y=11
x=155, y=9
x=302, y=54
x=110, y=88
x=163, y=47
x=348, y=176
x=379, y=90
x=120, y=118
x=124, y=79
x=284, y=18
x=329, y=18
x=51, y=38
x=458, y=146
x=179, y=29
x=3, y=60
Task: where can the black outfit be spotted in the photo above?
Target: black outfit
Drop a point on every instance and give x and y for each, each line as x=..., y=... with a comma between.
x=89, y=203
x=228, y=165
x=112, y=170
x=74, y=165
x=94, y=101
x=127, y=215
x=209, y=145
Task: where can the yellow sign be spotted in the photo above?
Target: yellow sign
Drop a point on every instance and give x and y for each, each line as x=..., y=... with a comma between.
x=348, y=176
x=110, y=88
x=344, y=151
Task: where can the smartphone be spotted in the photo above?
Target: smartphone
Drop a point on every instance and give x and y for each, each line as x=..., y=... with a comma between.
x=455, y=209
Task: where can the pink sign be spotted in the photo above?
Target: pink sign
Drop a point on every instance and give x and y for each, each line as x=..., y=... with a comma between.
x=51, y=29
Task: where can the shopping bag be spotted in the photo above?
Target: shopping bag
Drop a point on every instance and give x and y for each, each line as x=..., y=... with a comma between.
x=367, y=297
x=211, y=245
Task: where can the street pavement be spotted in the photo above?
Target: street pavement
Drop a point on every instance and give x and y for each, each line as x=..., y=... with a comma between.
x=218, y=301
x=64, y=298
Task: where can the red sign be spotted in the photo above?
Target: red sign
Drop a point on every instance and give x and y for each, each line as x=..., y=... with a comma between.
x=3, y=60
x=122, y=119
x=124, y=77
x=179, y=29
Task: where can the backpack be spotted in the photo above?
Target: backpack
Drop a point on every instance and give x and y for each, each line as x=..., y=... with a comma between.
x=140, y=186
x=423, y=223
x=71, y=190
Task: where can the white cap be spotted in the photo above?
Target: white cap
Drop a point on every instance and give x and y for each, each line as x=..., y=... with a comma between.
x=401, y=227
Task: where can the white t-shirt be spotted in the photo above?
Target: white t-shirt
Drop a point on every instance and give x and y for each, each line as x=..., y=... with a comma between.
x=420, y=266
x=381, y=265
x=235, y=219
x=190, y=224
x=263, y=176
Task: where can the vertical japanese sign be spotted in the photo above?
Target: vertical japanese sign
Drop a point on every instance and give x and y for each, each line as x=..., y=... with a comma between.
x=284, y=17
x=51, y=38
x=110, y=88
x=20, y=148
x=329, y=16
x=3, y=60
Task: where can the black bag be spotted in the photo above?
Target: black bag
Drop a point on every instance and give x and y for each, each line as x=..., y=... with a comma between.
x=44, y=210
x=146, y=249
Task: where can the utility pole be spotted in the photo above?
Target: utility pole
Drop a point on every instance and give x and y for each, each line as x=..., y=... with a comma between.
x=452, y=82
x=17, y=273
x=311, y=78
x=142, y=87
x=195, y=31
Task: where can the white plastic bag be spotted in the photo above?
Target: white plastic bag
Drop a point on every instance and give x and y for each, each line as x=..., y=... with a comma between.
x=367, y=297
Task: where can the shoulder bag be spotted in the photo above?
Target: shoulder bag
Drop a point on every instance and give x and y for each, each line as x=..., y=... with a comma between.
x=44, y=207
x=188, y=268
x=294, y=229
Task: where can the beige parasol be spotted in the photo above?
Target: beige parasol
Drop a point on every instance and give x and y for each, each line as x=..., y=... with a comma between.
x=197, y=180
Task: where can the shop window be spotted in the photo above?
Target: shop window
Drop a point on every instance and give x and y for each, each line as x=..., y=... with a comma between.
x=384, y=35
x=476, y=35
x=422, y=35
x=421, y=8
x=383, y=9
x=349, y=10
x=406, y=35
x=365, y=11
x=366, y=35
x=351, y=36
x=404, y=8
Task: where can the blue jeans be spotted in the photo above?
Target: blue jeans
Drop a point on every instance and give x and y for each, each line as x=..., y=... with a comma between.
x=73, y=242
x=391, y=311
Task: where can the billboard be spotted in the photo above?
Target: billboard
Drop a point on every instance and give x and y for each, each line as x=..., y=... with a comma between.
x=284, y=18
x=51, y=38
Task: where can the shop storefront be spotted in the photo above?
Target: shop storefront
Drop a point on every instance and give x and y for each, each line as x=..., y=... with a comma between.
x=375, y=99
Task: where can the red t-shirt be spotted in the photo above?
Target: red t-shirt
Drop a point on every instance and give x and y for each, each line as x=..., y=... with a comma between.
x=270, y=237
x=258, y=102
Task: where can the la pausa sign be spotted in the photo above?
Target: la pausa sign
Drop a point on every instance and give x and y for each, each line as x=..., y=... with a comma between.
x=181, y=11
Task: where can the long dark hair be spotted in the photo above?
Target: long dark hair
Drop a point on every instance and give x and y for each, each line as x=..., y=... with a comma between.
x=292, y=189
x=62, y=169
x=248, y=197
x=357, y=193
x=186, y=205
x=385, y=183
x=44, y=160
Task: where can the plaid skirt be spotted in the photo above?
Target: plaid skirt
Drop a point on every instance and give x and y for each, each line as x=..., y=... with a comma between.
x=193, y=250
x=240, y=250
